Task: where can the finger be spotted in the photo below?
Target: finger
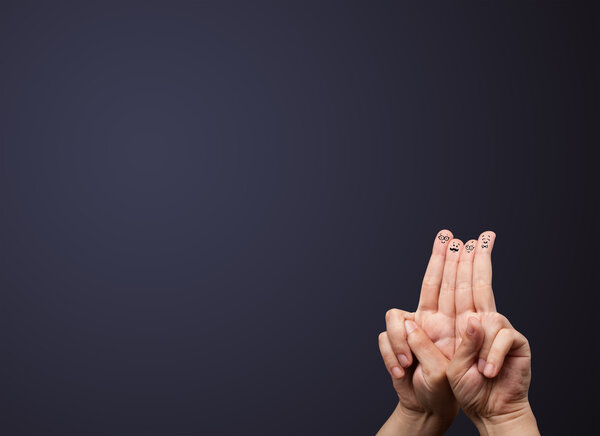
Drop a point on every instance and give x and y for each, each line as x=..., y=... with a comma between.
x=494, y=322
x=467, y=352
x=389, y=358
x=433, y=274
x=394, y=325
x=483, y=295
x=430, y=357
x=464, y=279
x=446, y=300
x=508, y=340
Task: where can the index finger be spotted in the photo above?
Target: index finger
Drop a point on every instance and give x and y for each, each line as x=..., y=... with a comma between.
x=432, y=280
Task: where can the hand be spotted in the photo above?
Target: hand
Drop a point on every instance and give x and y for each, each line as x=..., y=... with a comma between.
x=426, y=404
x=491, y=369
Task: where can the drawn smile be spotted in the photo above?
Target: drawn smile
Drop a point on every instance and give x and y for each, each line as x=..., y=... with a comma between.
x=453, y=249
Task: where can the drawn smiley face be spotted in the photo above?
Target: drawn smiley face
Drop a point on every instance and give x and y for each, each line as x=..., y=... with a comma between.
x=485, y=240
x=470, y=247
x=443, y=238
x=455, y=246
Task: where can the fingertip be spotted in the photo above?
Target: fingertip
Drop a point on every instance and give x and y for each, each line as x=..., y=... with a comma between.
x=442, y=238
x=404, y=360
x=397, y=372
x=410, y=326
x=490, y=370
x=454, y=247
x=486, y=241
x=469, y=247
x=474, y=333
x=473, y=326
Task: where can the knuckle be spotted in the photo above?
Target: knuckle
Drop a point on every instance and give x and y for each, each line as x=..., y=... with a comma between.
x=398, y=347
x=447, y=286
x=501, y=322
x=430, y=283
x=463, y=286
x=521, y=337
x=506, y=332
x=497, y=324
x=499, y=317
x=435, y=375
x=481, y=285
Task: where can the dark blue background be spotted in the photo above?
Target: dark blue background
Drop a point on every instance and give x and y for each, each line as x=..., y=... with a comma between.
x=207, y=208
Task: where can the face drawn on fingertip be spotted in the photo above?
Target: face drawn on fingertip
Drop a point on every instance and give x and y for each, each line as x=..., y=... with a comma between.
x=454, y=246
x=443, y=237
x=470, y=246
x=485, y=239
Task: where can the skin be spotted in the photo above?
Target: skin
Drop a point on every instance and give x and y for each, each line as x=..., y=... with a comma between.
x=457, y=332
x=491, y=369
x=426, y=403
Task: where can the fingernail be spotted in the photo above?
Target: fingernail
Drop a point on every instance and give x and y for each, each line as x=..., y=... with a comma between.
x=397, y=372
x=470, y=329
x=410, y=326
x=403, y=360
x=481, y=365
x=489, y=370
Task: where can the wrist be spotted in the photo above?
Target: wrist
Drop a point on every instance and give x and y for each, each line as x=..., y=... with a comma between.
x=520, y=422
x=411, y=422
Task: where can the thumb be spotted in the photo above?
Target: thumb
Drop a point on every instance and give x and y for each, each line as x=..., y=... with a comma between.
x=467, y=352
x=432, y=361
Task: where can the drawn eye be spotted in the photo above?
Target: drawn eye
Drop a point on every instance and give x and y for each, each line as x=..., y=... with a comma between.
x=446, y=238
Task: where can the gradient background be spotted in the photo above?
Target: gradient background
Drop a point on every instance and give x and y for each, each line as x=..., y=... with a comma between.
x=207, y=208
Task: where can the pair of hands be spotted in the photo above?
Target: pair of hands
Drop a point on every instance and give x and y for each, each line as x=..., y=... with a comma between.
x=456, y=351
